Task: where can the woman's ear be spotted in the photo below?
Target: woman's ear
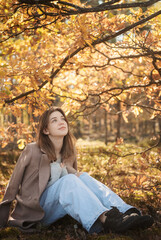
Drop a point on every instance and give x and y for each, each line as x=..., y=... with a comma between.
x=45, y=131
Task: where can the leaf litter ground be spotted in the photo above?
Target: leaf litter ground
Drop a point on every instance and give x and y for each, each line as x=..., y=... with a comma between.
x=136, y=178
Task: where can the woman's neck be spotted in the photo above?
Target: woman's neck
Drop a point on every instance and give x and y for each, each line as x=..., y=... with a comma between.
x=58, y=143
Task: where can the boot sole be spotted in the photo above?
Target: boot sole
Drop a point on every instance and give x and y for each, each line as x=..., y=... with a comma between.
x=135, y=223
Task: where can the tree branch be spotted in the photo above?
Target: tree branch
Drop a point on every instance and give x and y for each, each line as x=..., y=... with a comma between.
x=101, y=40
x=136, y=153
x=126, y=29
x=64, y=9
x=45, y=82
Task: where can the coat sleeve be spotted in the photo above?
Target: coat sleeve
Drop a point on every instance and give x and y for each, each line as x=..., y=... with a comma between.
x=14, y=184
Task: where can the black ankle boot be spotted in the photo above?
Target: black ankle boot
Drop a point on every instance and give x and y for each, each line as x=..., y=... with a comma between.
x=118, y=222
x=133, y=211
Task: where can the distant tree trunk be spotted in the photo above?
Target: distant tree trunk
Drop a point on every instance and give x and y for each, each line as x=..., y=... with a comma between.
x=99, y=125
x=105, y=123
x=94, y=123
x=118, y=120
x=14, y=119
x=77, y=132
x=141, y=128
x=111, y=128
x=89, y=128
x=153, y=126
x=159, y=121
x=22, y=117
x=146, y=124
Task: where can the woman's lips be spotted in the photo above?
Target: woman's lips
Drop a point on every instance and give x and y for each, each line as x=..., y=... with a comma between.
x=62, y=128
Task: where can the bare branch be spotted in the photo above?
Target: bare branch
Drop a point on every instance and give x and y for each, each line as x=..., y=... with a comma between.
x=136, y=153
x=65, y=9
x=126, y=29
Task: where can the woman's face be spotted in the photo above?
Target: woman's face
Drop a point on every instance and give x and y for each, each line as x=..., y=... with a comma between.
x=57, y=126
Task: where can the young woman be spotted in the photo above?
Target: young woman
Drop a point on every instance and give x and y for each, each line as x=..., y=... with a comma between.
x=46, y=186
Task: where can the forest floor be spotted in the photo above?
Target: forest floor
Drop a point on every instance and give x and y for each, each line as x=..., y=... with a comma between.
x=128, y=169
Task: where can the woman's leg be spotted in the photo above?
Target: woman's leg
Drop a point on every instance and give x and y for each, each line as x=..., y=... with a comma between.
x=106, y=196
x=69, y=195
x=116, y=221
x=49, y=201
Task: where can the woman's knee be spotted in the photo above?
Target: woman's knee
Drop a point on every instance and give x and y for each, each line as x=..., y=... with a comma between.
x=70, y=180
x=84, y=174
x=70, y=177
x=73, y=179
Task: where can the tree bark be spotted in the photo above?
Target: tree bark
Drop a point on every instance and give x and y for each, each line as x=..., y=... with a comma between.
x=118, y=134
x=105, y=123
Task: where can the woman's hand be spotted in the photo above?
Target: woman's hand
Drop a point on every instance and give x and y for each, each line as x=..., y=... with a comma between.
x=70, y=169
x=62, y=165
x=78, y=174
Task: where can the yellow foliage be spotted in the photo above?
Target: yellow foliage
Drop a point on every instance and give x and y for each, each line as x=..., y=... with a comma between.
x=95, y=76
x=21, y=143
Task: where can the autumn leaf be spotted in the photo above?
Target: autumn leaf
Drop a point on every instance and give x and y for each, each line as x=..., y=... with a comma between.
x=21, y=143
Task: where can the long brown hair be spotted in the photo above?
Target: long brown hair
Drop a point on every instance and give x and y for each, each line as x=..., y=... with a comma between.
x=46, y=144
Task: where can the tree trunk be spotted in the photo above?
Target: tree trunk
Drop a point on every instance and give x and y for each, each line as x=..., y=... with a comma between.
x=105, y=123
x=159, y=121
x=118, y=135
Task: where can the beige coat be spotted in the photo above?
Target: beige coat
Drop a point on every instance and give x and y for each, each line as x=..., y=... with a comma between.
x=27, y=183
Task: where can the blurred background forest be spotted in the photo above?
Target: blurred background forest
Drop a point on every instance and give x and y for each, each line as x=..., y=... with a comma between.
x=101, y=62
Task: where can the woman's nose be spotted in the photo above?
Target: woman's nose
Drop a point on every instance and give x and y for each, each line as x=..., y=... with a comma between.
x=61, y=122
